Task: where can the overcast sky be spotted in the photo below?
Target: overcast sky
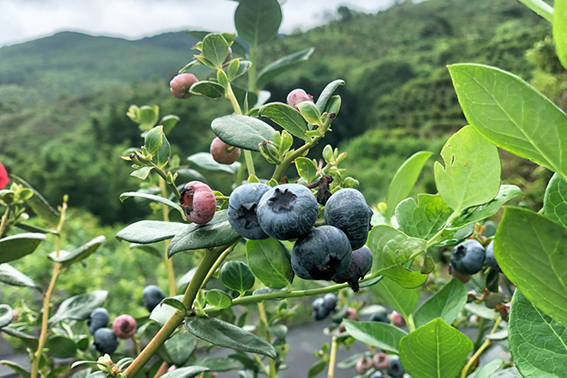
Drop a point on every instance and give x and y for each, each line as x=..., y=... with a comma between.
x=22, y=20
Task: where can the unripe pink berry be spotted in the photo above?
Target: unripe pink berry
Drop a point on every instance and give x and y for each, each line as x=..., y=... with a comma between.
x=398, y=320
x=381, y=361
x=352, y=314
x=124, y=327
x=199, y=202
x=363, y=364
x=297, y=96
x=221, y=153
x=181, y=84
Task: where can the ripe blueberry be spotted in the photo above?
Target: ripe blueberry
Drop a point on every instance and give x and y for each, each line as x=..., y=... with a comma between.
x=223, y=153
x=287, y=211
x=152, y=296
x=105, y=341
x=360, y=265
x=468, y=257
x=381, y=361
x=395, y=370
x=377, y=374
x=490, y=259
x=322, y=253
x=296, y=96
x=180, y=85
x=319, y=311
x=363, y=365
x=330, y=302
x=242, y=207
x=124, y=327
x=99, y=318
x=397, y=319
x=348, y=211
x=199, y=202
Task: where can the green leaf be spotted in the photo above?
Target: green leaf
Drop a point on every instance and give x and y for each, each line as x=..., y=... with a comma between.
x=392, y=249
x=380, y=335
x=147, y=232
x=216, y=233
x=179, y=348
x=215, y=49
x=147, y=116
x=168, y=122
x=471, y=175
x=445, y=304
x=306, y=169
x=61, y=346
x=79, y=254
x=404, y=180
x=227, y=335
x=530, y=251
x=334, y=105
x=560, y=29
x=325, y=96
x=188, y=174
x=258, y=21
x=555, y=200
x=218, y=298
x=18, y=246
x=161, y=313
x=220, y=364
x=38, y=204
x=317, y=368
x=152, y=198
x=237, y=276
x=478, y=213
x=287, y=117
x=242, y=131
x=402, y=300
x=512, y=114
x=175, y=303
x=540, y=7
x=206, y=88
x=6, y=315
x=79, y=307
x=162, y=156
x=17, y=368
x=424, y=218
x=270, y=262
x=277, y=67
x=153, y=140
x=243, y=67
x=141, y=173
x=186, y=372
x=480, y=310
x=13, y=277
x=148, y=249
x=310, y=112
x=186, y=278
x=205, y=161
x=434, y=350
x=537, y=343
x=487, y=371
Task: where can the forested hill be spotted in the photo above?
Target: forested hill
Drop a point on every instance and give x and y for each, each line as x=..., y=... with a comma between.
x=398, y=96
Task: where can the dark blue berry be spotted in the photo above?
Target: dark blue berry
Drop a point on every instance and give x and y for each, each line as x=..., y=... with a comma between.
x=490, y=259
x=468, y=257
x=380, y=316
x=395, y=370
x=242, y=207
x=287, y=211
x=322, y=253
x=98, y=319
x=330, y=302
x=360, y=264
x=348, y=211
x=105, y=341
x=152, y=297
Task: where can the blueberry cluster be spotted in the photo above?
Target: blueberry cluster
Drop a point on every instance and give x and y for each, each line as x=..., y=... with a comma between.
x=468, y=258
x=106, y=339
x=380, y=362
x=323, y=306
x=334, y=251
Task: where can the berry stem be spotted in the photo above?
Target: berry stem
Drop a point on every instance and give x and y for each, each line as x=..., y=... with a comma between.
x=47, y=296
x=332, y=358
x=177, y=318
x=480, y=350
x=166, y=259
x=410, y=323
x=163, y=175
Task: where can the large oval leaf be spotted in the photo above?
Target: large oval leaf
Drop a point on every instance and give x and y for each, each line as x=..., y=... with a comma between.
x=215, y=49
x=179, y=348
x=61, y=347
x=79, y=307
x=227, y=335
x=12, y=276
x=79, y=254
x=435, y=350
x=538, y=344
x=205, y=160
x=270, y=262
x=146, y=232
x=18, y=246
x=38, y=204
x=153, y=198
x=242, y=131
x=196, y=236
x=281, y=65
x=512, y=114
x=237, y=276
x=287, y=117
x=402, y=300
x=555, y=200
x=559, y=23
x=381, y=335
x=258, y=21
x=208, y=89
x=446, y=304
x=530, y=249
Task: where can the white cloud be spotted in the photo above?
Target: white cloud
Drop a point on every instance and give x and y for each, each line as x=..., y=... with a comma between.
x=22, y=20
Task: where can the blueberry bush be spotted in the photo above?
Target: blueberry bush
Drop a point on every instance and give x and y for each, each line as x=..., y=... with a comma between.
x=290, y=225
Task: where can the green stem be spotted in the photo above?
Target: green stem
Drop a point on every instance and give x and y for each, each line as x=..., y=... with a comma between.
x=435, y=239
x=219, y=261
x=332, y=358
x=410, y=322
x=249, y=163
x=177, y=318
x=163, y=175
x=262, y=311
x=287, y=294
x=262, y=366
x=540, y=7
x=252, y=70
x=480, y=334
x=480, y=350
x=4, y=222
x=166, y=259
